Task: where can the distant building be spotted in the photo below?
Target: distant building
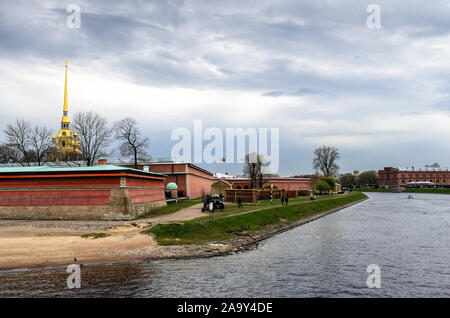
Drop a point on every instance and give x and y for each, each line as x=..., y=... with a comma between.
x=65, y=145
x=220, y=186
x=191, y=181
x=391, y=177
x=286, y=183
x=225, y=175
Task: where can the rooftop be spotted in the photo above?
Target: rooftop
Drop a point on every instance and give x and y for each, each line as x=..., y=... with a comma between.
x=98, y=168
x=266, y=178
x=424, y=169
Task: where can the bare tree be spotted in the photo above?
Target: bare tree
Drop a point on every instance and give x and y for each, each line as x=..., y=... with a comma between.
x=325, y=159
x=132, y=143
x=40, y=141
x=255, y=170
x=94, y=135
x=17, y=136
x=27, y=145
x=6, y=154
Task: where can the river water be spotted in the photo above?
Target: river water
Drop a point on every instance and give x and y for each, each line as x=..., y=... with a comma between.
x=408, y=240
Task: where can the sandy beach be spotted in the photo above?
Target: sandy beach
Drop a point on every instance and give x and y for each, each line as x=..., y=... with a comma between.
x=46, y=243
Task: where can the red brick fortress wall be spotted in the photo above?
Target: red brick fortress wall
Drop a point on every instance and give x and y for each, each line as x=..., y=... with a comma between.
x=279, y=183
x=74, y=197
x=199, y=182
x=193, y=181
x=253, y=195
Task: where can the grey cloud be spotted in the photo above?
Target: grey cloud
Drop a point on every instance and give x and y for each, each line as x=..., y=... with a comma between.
x=317, y=50
x=157, y=43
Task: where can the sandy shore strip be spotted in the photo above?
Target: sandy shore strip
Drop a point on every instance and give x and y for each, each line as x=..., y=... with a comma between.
x=31, y=244
x=27, y=244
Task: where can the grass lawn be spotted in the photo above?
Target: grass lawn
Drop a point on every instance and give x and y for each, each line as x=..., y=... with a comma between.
x=412, y=190
x=95, y=235
x=374, y=190
x=232, y=208
x=171, y=208
x=204, y=230
x=422, y=190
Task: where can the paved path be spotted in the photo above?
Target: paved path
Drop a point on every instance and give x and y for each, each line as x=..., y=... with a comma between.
x=185, y=214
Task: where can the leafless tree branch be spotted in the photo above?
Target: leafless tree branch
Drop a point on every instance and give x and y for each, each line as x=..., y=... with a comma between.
x=325, y=158
x=132, y=143
x=94, y=135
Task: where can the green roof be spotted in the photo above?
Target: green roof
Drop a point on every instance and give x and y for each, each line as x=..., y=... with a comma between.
x=49, y=169
x=171, y=186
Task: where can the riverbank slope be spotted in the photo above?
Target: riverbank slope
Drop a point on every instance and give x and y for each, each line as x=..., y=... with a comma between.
x=205, y=230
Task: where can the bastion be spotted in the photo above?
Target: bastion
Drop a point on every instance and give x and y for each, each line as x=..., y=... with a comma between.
x=102, y=192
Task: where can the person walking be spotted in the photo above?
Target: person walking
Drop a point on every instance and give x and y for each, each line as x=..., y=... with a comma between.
x=282, y=197
x=239, y=201
x=286, y=199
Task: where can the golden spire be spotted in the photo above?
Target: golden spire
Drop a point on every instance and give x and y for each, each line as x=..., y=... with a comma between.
x=67, y=143
x=65, y=118
x=65, y=95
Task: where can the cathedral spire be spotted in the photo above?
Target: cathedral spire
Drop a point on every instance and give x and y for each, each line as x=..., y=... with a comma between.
x=67, y=144
x=65, y=94
x=65, y=118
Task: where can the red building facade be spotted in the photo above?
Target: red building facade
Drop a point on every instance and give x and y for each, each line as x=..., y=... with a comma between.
x=278, y=183
x=192, y=181
x=102, y=192
x=391, y=177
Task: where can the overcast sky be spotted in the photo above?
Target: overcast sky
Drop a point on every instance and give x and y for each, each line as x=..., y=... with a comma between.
x=311, y=68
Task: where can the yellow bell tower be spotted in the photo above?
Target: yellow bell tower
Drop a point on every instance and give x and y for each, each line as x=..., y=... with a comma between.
x=66, y=142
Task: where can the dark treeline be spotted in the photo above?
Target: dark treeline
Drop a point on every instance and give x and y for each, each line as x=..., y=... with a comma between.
x=365, y=179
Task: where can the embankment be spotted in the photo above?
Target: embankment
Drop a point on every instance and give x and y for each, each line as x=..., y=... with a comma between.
x=204, y=238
